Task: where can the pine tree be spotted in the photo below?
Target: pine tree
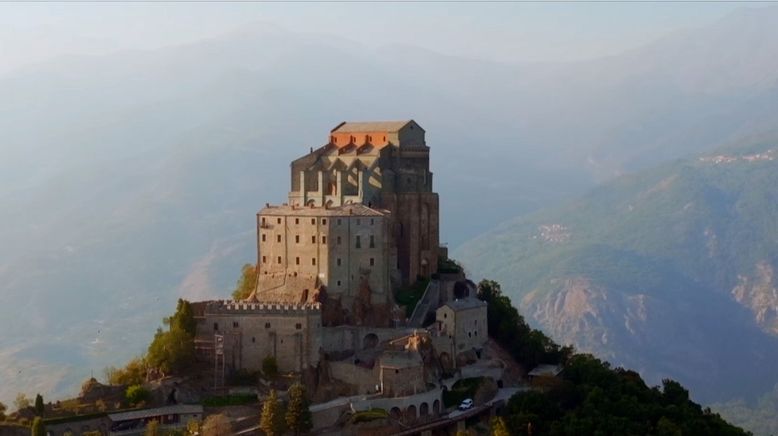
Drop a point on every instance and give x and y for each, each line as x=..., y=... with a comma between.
x=38, y=429
x=271, y=421
x=298, y=413
x=39, y=405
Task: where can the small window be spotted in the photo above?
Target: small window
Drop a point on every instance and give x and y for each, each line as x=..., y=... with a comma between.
x=469, y=334
x=338, y=282
x=372, y=221
x=263, y=221
x=253, y=339
x=339, y=221
x=297, y=239
x=279, y=220
x=297, y=260
x=396, y=371
x=216, y=326
x=372, y=242
x=264, y=259
x=338, y=240
x=278, y=238
x=267, y=325
x=313, y=221
x=338, y=261
x=372, y=261
x=445, y=315
x=313, y=239
x=323, y=239
x=235, y=324
x=279, y=259
x=264, y=237
x=359, y=242
x=297, y=220
x=359, y=221
x=313, y=261
x=324, y=221
x=298, y=326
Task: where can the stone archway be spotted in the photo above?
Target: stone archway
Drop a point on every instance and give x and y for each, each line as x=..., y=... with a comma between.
x=369, y=341
x=424, y=409
x=410, y=413
x=395, y=413
x=436, y=407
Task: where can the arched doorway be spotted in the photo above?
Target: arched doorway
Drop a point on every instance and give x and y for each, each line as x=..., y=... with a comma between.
x=424, y=409
x=394, y=413
x=369, y=341
x=436, y=407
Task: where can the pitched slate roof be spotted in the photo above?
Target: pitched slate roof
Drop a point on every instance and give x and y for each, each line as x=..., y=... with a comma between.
x=370, y=126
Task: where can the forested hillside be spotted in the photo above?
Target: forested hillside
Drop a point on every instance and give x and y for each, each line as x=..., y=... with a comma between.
x=670, y=271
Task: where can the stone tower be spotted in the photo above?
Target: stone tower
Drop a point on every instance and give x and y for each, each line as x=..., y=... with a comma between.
x=383, y=165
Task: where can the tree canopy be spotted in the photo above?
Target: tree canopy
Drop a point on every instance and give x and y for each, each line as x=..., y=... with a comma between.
x=272, y=421
x=247, y=282
x=173, y=349
x=298, y=413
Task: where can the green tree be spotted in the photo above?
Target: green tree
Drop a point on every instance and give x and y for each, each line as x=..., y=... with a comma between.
x=270, y=367
x=134, y=373
x=298, y=412
x=498, y=427
x=38, y=428
x=136, y=394
x=217, y=425
x=39, y=407
x=3, y=409
x=172, y=350
x=21, y=401
x=152, y=429
x=247, y=282
x=271, y=420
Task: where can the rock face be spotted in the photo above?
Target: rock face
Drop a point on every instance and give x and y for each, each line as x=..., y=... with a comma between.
x=671, y=271
x=759, y=294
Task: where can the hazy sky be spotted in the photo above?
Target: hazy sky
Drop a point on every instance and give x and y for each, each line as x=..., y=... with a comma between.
x=498, y=31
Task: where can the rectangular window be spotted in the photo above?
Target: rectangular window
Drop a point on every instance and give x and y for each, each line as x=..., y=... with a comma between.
x=297, y=239
x=298, y=326
x=263, y=237
x=359, y=221
x=313, y=239
x=372, y=242
x=297, y=220
x=338, y=261
x=338, y=240
x=338, y=282
x=278, y=238
x=263, y=221
x=339, y=221
x=324, y=221
x=297, y=260
x=279, y=220
x=323, y=239
x=235, y=324
x=372, y=261
x=216, y=326
x=313, y=221
x=372, y=221
x=359, y=242
x=267, y=325
x=313, y=261
x=279, y=259
x=264, y=259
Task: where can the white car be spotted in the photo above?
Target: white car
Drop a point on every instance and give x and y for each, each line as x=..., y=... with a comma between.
x=466, y=404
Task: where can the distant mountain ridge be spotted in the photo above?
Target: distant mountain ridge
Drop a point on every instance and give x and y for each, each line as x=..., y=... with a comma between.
x=670, y=270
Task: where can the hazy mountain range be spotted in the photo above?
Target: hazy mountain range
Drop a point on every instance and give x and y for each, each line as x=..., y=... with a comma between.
x=130, y=179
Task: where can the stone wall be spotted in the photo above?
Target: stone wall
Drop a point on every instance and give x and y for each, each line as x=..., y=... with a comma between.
x=253, y=331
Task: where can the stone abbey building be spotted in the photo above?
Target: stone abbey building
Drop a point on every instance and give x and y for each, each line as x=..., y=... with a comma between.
x=360, y=224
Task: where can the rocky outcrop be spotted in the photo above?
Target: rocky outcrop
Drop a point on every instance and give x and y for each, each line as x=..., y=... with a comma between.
x=759, y=293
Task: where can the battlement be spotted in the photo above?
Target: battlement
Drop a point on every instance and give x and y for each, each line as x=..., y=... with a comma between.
x=243, y=307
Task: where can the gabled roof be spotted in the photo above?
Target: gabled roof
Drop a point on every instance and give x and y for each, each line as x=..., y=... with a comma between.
x=465, y=303
x=370, y=126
